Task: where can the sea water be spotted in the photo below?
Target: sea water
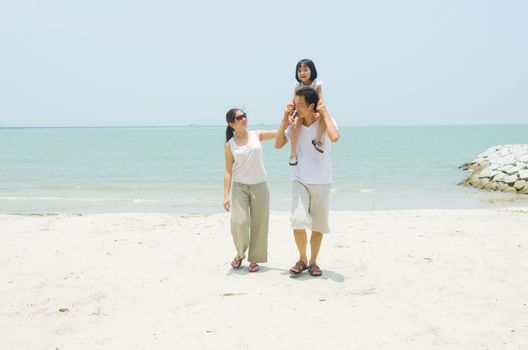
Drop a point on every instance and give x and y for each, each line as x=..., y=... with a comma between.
x=181, y=169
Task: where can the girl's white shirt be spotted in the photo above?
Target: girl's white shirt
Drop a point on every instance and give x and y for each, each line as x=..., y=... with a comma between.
x=314, y=85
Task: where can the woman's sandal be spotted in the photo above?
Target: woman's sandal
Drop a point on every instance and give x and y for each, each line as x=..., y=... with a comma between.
x=253, y=268
x=314, y=270
x=237, y=262
x=299, y=267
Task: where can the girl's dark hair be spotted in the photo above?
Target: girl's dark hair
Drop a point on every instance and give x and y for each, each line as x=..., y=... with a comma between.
x=230, y=118
x=308, y=63
x=310, y=95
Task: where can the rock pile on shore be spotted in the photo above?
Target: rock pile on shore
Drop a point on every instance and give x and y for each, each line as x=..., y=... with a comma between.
x=501, y=168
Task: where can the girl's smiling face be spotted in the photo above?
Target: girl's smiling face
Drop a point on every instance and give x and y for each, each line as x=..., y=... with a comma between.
x=304, y=74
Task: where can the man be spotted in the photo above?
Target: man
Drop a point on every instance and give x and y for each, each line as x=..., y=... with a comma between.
x=311, y=177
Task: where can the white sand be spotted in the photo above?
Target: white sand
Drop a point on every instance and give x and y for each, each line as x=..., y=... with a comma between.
x=430, y=279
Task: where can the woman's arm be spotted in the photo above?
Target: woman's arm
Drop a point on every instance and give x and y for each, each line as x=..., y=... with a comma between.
x=265, y=135
x=227, y=175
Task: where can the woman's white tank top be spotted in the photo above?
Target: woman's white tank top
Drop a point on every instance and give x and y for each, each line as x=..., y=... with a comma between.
x=248, y=167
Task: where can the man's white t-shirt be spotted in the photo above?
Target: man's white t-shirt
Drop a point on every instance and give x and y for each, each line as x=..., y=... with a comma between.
x=313, y=167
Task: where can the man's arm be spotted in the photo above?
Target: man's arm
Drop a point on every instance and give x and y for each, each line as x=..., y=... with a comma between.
x=280, y=138
x=331, y=128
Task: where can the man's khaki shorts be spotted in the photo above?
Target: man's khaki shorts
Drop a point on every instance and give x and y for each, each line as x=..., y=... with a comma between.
x=310, y=206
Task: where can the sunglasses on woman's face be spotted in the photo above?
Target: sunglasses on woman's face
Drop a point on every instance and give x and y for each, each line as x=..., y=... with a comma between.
x=240, y=117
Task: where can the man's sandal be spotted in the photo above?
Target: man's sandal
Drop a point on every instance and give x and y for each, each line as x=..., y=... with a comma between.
x=299, y=267
x=314, y=270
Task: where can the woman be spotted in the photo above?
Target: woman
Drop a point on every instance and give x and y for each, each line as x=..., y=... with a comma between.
x=249, y=204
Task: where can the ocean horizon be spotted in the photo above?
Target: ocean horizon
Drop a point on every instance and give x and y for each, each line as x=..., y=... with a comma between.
x=255, y=125
x=179, y=169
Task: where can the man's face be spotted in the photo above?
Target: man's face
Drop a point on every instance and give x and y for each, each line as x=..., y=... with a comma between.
x=302, y=107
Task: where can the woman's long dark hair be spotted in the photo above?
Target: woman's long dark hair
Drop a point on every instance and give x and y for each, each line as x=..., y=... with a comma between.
x=230, y=118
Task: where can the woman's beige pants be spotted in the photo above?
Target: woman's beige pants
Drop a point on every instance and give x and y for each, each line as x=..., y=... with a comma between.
x=250, y=220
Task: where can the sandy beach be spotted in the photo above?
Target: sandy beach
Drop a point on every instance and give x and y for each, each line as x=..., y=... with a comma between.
x=417, y=279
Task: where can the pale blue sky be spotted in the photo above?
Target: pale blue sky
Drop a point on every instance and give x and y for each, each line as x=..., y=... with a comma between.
x=88, y=63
